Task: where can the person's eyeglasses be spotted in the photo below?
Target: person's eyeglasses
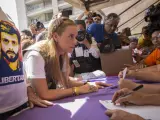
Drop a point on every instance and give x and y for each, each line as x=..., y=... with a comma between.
x=156, y=38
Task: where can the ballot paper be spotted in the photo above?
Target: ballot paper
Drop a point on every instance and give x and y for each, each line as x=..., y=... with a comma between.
x=146, y=112
x=93, y=75
x=124, y=73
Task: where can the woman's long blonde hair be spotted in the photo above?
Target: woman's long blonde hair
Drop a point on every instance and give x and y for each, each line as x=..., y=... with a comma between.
x=52, y=64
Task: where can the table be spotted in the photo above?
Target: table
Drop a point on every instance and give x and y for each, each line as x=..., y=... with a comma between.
x=83, y=107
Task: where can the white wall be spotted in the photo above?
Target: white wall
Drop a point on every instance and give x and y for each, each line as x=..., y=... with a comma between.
x=9, y=7
x=21, y=12
x=16, y=10
x=142, y=5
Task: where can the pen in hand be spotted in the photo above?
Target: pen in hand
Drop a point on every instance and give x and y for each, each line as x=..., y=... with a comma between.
x=124, y=73
x=135, y=89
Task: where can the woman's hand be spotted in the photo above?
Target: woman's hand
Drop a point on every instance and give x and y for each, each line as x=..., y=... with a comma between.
x=87, y=88
x=102, y=85
x=134, y=98
x=35, y=100
x=122, y=115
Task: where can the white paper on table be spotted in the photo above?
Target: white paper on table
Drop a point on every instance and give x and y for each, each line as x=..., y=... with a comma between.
x=93, y=75
x=147, y=112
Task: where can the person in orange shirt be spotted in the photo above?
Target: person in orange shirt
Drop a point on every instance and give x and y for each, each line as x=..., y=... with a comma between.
x=154, y=57
x=149, y=68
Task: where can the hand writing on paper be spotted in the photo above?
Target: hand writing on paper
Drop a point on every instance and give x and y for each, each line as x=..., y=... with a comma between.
x=134, y=98
x=122, y=115
x=35, y=100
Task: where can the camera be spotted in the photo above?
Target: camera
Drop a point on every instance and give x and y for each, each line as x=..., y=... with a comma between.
x=153, y=13
x=153, y=17
x=66, y=13
x=82, y=35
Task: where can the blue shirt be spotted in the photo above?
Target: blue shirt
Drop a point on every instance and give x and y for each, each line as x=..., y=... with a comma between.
x=98, y=32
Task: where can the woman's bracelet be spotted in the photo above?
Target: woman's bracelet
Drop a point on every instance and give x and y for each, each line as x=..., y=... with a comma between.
x=75, y=91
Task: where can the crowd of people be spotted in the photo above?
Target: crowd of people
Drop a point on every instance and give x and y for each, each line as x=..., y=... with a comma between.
x=40, y=64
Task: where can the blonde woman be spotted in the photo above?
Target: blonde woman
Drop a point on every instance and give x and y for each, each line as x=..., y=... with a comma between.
x=47, y=64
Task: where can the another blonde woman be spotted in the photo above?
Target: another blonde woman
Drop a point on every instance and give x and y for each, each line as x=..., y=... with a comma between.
x=47, y=64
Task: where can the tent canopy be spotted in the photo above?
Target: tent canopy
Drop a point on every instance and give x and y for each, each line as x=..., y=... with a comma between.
x=94, y=4
x=131, y=12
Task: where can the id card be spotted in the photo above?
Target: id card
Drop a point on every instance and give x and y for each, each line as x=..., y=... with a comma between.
x=86, y=53
x=76, y=64
x=79, y=51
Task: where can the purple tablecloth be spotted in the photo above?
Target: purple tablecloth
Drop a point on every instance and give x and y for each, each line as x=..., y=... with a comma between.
x=83, y=107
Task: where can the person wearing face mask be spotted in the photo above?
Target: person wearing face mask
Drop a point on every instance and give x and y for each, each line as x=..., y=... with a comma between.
x=106, y=31
x=85, y=55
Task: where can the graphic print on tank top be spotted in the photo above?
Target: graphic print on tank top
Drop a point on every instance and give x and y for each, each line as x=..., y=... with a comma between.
x=11, y=71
